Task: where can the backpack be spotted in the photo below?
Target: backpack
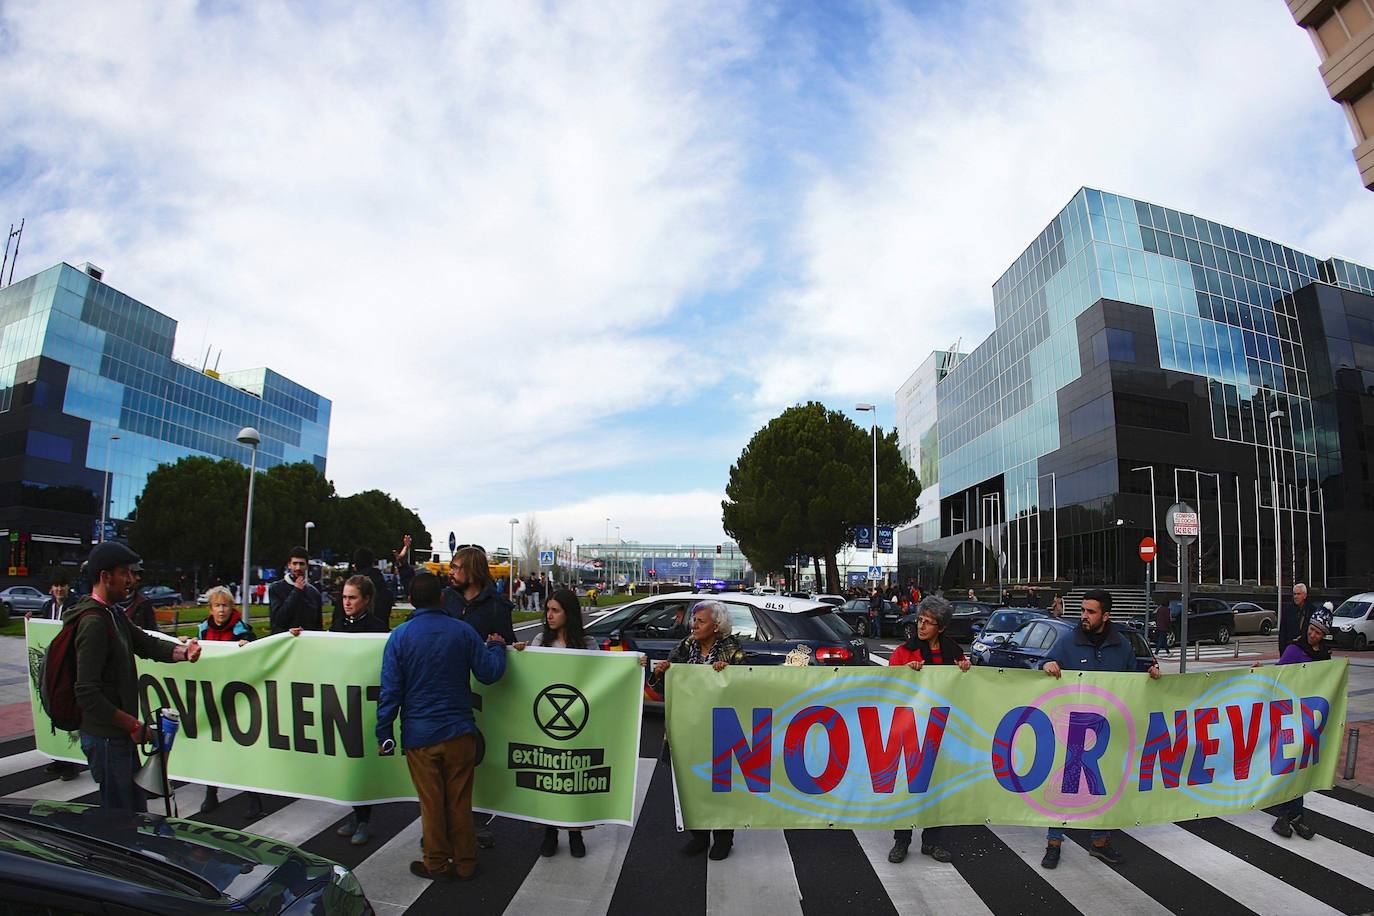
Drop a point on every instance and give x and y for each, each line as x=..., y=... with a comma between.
x=57, y=675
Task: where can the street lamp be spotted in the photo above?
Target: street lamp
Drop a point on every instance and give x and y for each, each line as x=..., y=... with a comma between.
x=1271, y=427
x=308, y=526
x=569, y=561
x=605, y=570
x=1154, y=528
x=248, y=436
x=873, y=410
x=105, y=500
x=510, y=577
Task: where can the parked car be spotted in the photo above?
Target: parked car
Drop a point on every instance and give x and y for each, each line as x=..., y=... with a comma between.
x=763, y=590
x=1251, y=618
x=969, y=617
x=832, y=600
x=1352, y=626
x=856, y=613
x=1029, y=645
x=1208, y=618
x=1001, y=627
x=162, y=596
x=20, y=598
x=768, y=627
x=60, y=857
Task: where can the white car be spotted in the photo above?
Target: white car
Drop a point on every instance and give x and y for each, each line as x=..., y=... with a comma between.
x=763, y=590
x=1352, y=626
x=832, y=600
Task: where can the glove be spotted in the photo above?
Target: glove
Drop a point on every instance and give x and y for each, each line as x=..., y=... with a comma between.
x=138, y=731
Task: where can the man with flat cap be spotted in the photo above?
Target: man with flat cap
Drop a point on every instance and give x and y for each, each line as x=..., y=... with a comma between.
x=107, y=676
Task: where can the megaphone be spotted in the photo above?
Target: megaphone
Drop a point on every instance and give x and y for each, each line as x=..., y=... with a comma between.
x=152, y=776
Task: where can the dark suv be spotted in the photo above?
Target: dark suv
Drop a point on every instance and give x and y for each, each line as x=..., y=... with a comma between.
x=1208, y=618
x=968, y=618
x=767, y=626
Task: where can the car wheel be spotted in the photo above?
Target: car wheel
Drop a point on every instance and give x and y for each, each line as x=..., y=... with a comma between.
x=1266, y=627
x=1361, y=642
x=1171, y=640
x=1223, y=635
x=861, y=627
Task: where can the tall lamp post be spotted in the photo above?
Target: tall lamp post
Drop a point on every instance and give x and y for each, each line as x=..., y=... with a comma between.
x=1153, y=576
x=618, y=542
x=308, y=526
x=1274, y=416
x=510, y=577
x=249, y=437
x=605, y=568
x=105, y=500
x=570, y=563
x=873, y=410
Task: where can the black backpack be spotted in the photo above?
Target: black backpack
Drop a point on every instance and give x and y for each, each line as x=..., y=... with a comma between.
x=57, y=675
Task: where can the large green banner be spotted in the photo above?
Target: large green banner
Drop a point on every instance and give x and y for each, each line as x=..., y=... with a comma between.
x=297, y=716
x=860, y=748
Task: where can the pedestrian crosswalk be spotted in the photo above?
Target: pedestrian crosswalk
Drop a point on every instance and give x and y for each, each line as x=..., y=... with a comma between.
x=1234, y=864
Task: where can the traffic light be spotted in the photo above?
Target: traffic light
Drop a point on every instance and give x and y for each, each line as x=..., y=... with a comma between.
x=717, y=550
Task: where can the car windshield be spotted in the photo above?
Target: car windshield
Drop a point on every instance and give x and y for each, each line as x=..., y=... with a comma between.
x=614, y=621
x=966, y=610
x=818, y=624
x=1003, y=622
x=1353, y=608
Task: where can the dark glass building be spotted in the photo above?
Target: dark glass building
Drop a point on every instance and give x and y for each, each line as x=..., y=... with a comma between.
x=91, y=401
x=1142, y=356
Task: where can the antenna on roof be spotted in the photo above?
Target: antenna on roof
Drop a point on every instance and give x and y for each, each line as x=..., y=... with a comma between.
x=217, y=358
x=206, y=361
x=16, y=236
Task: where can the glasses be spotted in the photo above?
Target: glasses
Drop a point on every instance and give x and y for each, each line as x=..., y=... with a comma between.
x=925, y=621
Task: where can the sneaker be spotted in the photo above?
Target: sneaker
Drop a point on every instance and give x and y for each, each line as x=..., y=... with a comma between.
x=1106, y=853
x=418, y=869
x=550, y=844
x=362, y=834
x=68, y=772
x=897, y=853
x=696, y=845
x=575, y=844
x=1302, y=828
x=52, y=768
x=1282, y=827
x=938, y=853
x=720, y=850
x=485, y=838
x=348, y=827
x=1051, y=859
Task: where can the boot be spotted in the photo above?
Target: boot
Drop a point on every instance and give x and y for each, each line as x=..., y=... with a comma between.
x=935, y=851
x=898, y=852
x=1051, y=859
x=1282, y=826
x=1301, y=827
x=698, y=843
x=550, y=844
x=575, y=844
x=362, y=834
x=254, y=806
x=211, y=800
x=348, y=827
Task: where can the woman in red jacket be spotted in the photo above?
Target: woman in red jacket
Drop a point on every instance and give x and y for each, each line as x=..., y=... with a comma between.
x=930, y=646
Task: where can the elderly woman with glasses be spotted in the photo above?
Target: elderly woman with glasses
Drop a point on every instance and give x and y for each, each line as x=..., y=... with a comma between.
x=709, y=642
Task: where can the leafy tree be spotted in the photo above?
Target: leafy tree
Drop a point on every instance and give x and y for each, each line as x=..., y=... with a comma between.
x=805, y=480
x=190, y=514
x=374, y=520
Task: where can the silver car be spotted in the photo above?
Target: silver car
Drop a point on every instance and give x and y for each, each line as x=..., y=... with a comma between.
x=1251, y=618
x=20, y=598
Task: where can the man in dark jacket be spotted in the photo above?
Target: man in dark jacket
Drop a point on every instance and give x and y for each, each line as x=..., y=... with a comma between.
x=295, y=605
x=426, y=670
x=1096, y=645
x=1293, y=621
x=107, y=676
x=365, y=564
x=472, y=597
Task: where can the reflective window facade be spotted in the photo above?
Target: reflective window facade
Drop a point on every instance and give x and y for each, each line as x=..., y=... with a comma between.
x=81, y=363
x=1065, y=369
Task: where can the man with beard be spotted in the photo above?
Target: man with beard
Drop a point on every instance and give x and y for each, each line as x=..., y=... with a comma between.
x=471, y=597
x=1096, y=645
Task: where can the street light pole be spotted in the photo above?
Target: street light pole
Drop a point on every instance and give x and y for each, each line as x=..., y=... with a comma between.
x=308, y=526
x=605, y=570
x=248, y=436
x=1154, y=529
x=1278, y=535
x=510, y=576
x=105, y=499
x=568, y=571
x=873, y=410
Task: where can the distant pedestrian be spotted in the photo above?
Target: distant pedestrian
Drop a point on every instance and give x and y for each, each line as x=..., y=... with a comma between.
x=1057, y=606
x=1097, y=645
x=1310, y=647
x=1164, y=621
x=259, y=592
x=295, y=604
x=426, y=668
x=972, y=595
x=1293, y=619
x=137, y=606
x=356, y=617
x=928, y=646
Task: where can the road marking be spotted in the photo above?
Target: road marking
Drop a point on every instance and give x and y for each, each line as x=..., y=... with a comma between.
x=299, y=821
x=385, y=875
x=1084, y=881
x=564, y=886
x=1338, y=810
x=877, y=660
x=57, y=790
x=1325, y=852
x=758, y=872
x=920, y=884
x=25, y=761
x=1230, y=874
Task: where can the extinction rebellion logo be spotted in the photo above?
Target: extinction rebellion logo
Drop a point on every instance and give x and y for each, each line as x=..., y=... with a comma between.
x=561, y=712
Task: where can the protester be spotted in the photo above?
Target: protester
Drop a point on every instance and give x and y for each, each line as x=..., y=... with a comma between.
x=472, y=598
x=1293, y=618
x=365, y=564
x=426, y=668
x=710, y=643
x=928, y=646
x=1097, y=645
x=137, y=607
x=405, y=570
x=107, y=677
x=1057, y=606
x=224, y=623
x=60, y=598
x=295, y=604
x=259, y=592
x=875, y=607
x=1310, y=647
x=1163, y=623
x=356, y=616
x=562, y=630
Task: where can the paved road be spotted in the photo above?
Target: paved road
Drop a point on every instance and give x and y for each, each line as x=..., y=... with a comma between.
x=1231, y=865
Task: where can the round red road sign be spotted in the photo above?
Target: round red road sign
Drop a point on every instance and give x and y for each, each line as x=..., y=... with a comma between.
x=1147, y=549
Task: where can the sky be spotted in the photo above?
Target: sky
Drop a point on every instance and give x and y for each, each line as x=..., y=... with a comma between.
x=559, y=261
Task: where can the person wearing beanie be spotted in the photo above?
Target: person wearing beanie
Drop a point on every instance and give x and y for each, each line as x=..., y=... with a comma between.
x=1310, y=647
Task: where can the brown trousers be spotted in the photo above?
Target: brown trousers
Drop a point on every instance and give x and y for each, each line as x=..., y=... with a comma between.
x=442, y=774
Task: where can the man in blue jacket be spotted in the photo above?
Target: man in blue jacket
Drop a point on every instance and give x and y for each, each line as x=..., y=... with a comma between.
x=1097, y=645
x=426, y=668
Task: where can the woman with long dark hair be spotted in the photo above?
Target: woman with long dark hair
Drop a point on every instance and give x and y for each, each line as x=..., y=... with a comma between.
x=356, y=616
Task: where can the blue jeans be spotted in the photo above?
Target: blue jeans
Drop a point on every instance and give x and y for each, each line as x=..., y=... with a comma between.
x=1293, y=809
x=113, y=762
x=1057, y=833
x=1161, y=640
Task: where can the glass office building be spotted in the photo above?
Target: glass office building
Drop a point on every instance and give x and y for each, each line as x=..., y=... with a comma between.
x=91, y=401
x=1143, y=355
x=680, y=563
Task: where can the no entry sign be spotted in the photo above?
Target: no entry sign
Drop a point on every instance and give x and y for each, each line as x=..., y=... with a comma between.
x=1147, y=550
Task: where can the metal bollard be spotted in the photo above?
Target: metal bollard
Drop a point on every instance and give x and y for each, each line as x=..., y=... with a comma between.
x=1197, y=651
x=1352, y=750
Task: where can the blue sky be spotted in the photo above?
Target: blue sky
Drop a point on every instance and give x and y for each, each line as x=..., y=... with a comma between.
x=560, y=260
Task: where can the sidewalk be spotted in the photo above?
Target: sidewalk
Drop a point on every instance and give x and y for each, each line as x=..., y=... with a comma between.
x=16, y=708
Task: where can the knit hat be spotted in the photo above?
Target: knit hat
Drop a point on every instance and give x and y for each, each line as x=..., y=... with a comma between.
x=1321, y=619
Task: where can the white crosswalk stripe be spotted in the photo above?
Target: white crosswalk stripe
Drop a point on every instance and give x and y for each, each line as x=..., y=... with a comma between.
x=920, y=884
x=1083, y=880
x=1329, y=853
x=758, y=870
x=1339, y=810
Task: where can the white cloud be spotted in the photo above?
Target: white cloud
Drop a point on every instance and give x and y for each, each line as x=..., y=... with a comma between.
x=972, y=142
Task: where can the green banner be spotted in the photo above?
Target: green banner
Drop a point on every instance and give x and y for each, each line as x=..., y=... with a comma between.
x=857, y=748
x=297, y=716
